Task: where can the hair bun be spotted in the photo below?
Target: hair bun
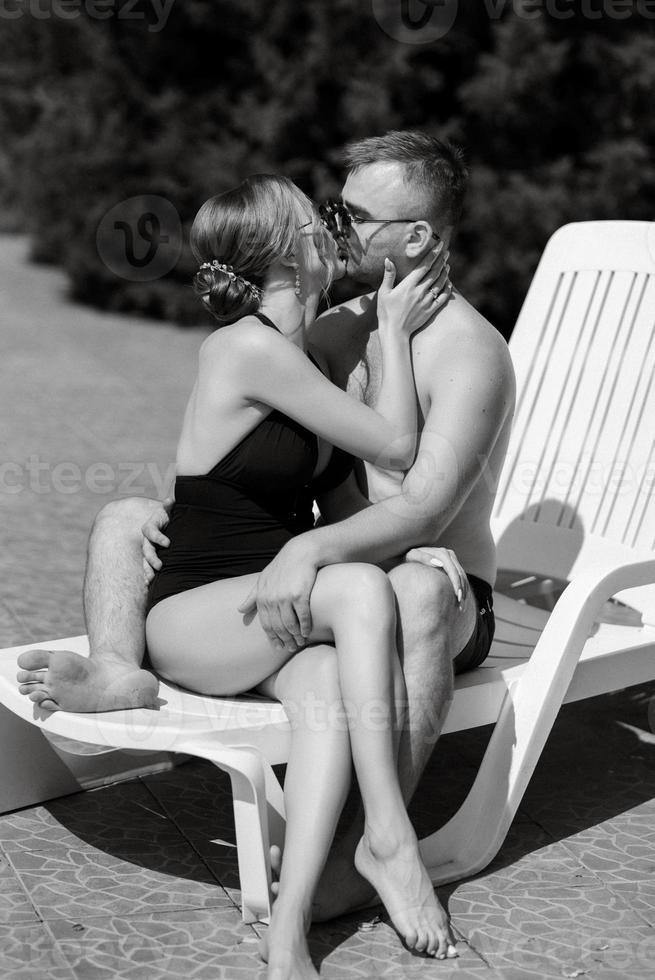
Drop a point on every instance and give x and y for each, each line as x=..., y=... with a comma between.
x=226, y=294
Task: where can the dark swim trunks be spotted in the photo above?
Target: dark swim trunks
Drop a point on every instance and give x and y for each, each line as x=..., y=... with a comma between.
x=478, y=646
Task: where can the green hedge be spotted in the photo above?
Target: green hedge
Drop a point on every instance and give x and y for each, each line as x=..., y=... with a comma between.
x=555, y=115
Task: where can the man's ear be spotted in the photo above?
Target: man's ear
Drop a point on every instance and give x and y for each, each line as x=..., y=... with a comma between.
x=419, y=239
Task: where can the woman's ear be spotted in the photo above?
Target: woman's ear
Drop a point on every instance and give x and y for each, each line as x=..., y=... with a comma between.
x=289, y=261
x=418, y=239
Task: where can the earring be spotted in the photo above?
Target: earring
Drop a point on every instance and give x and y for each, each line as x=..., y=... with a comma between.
x=298, y=284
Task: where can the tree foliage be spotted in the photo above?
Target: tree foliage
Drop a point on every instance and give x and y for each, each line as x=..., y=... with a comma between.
x=555, y=116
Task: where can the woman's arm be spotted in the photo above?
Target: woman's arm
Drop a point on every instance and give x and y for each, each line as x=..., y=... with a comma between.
x=396, y=397
x=273, y=371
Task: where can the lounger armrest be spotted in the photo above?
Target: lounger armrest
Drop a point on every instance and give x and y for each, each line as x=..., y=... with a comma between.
x=473, y=835
x=577, y=608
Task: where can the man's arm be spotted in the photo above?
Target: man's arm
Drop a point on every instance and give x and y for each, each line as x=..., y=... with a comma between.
x=470, y=402
x=471, y=395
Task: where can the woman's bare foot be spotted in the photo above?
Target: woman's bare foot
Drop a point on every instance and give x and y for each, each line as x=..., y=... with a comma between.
x=284, y=948
x=65, y=681
x=396, y=872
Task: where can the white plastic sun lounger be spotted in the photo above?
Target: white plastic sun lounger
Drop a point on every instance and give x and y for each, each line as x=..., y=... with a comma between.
x=575, y=503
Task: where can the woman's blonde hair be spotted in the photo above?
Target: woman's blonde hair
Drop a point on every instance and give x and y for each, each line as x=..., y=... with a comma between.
x=247, y=229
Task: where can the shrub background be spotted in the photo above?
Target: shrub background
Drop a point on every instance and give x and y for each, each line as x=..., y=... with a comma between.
x=556, y=116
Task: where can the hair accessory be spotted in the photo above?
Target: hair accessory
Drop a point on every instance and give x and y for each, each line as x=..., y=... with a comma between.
x=234, y=276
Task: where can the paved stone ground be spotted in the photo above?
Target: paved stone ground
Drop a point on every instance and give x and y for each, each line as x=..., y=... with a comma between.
x=90, y=409
x=139, y=880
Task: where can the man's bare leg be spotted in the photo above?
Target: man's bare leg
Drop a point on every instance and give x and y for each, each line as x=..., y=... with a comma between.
x=432, y=631
x=114, y=606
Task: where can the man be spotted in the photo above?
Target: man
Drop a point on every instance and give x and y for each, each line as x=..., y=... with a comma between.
x=403, y=190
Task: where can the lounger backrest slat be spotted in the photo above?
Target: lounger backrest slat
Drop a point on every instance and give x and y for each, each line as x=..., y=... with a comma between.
x=582, y=453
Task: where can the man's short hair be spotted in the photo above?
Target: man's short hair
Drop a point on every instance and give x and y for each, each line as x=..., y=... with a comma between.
x=434, y=166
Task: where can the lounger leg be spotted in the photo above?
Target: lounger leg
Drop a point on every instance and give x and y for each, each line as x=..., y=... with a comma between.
x=250, y=783
x=276, y=811
x=474, y=835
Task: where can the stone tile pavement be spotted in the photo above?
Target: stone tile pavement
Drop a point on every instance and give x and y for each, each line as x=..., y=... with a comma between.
x=139, y=880
x=90, y=410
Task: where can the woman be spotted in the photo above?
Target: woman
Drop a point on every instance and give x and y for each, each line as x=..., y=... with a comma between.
x=255, y=449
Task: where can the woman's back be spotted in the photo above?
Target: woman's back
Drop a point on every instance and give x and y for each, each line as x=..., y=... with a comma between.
x=233, y=519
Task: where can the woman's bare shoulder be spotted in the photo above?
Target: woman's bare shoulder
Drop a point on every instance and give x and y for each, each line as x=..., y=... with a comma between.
x=248, y=335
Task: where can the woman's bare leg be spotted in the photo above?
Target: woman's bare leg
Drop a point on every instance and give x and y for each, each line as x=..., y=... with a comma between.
x=199, y=639
x=370, y=674
x=315, y=787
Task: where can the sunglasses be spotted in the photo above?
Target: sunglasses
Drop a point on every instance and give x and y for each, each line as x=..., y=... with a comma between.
x=339, y=220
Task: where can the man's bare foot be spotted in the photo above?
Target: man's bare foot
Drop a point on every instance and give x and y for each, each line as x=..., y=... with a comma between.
x=400, y=879
x=65, y=681
x=284, y=948
x=341, y=889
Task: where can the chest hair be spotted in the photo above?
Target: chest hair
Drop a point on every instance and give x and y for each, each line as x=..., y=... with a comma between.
x=365, y=378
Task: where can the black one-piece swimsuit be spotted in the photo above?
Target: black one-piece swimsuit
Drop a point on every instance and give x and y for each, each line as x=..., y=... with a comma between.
x=235, y=519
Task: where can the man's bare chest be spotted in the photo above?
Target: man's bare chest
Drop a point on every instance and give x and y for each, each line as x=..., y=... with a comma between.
x=365, y=376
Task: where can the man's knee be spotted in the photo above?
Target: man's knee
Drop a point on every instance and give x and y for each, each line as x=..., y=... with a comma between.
x=126, y=516
x=426, y=599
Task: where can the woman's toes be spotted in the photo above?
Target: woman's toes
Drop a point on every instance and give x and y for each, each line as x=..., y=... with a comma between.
x=422, y=942
x=411, y=938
